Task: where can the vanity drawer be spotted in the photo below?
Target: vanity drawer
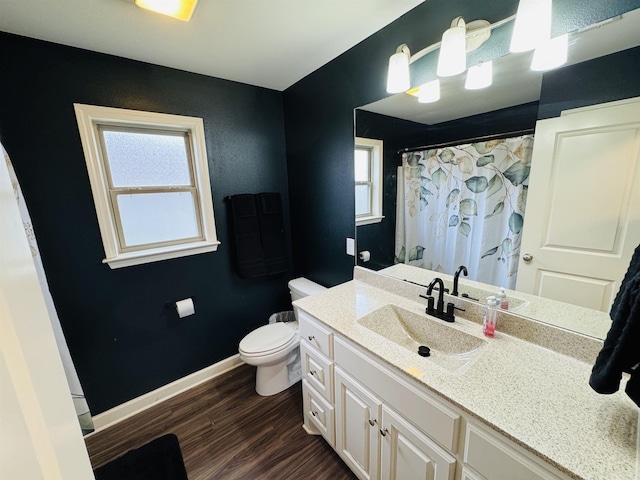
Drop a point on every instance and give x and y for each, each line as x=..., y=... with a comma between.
x=317, y=370
x=435, y=419
x=317, y=335
x=318, y=411
x=495, y=459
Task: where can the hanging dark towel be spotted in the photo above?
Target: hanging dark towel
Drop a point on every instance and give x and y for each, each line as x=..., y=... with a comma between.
x=621, y=352
x=257, y=228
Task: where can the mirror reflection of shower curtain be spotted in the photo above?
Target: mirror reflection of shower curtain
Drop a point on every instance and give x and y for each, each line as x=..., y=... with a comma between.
x=79, y=401
x=464, y=205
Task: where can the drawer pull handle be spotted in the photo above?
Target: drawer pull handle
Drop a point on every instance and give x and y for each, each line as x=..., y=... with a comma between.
x=313, y=372
x=315, y=414
x=384, y=432
x=311, y=337
x=372, y=422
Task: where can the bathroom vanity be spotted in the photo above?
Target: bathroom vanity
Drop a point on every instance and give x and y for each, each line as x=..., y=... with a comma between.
x=476, y=408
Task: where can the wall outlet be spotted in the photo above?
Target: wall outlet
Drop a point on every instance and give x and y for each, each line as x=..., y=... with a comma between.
x=351, y=247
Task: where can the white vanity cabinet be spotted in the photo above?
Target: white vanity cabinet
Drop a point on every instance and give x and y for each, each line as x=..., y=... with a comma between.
x=385, y=426
x=358, y=412
x=316, y=354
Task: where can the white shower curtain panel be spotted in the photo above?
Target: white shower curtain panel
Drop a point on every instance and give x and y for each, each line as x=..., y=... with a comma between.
x=464, y=205
x=79, y=401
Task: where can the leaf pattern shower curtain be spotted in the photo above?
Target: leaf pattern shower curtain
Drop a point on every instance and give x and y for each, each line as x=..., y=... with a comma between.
x=79, y=401
x=465, y=205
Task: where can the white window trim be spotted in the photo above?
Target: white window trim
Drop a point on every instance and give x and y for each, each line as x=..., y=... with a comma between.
x=376, y=147
x=88, y=117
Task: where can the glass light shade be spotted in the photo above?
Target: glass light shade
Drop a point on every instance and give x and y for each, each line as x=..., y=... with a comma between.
x=479, y=76
x=453, y=51
x=180, y=9
x=398, y=76
x=532, y=26
x=551, y=54
x=429, y=92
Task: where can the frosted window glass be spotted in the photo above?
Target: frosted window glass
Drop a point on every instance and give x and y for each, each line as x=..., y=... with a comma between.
x=362, y=165
x=157, y=217
x=363, y=199
x=146, y=159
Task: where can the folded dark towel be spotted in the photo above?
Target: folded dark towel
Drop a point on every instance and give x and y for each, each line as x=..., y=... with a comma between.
x=245, y=230
x=258, y=236
x=620, y=352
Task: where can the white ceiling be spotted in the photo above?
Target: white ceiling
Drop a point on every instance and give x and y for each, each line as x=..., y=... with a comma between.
x=268, y=43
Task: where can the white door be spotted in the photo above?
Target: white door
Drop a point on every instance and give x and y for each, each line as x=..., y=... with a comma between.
x=357, y=424
x=407, y=453
x=582, y=222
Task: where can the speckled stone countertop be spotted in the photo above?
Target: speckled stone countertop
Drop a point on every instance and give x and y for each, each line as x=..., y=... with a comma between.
x=535, y=396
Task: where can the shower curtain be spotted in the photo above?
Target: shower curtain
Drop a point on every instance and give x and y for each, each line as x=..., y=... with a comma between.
x=79, y=401
x=464, y=205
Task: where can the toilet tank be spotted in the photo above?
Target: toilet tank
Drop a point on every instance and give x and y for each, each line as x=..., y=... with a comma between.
x=303, y=287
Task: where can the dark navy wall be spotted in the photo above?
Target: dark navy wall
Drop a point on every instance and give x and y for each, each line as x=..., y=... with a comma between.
x=122, y=339
x=605, y=79
x=319, y=121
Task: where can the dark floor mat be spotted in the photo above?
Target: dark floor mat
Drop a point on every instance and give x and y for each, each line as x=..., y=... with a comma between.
x=160, y=459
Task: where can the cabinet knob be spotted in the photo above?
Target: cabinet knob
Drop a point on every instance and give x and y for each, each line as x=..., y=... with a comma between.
x=315, y=414
x=311, y=337
x=384, y=432
x=372, y=422
x=313, y=372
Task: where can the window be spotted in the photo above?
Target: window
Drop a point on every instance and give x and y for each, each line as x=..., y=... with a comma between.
x=368, y=177
x=150, y=184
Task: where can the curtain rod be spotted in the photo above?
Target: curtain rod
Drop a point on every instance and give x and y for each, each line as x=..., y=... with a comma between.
x=467, y=140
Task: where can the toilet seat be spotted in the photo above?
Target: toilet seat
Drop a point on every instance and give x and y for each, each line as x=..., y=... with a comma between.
x=268, y=339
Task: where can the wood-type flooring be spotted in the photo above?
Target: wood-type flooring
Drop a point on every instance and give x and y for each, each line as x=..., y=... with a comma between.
x=228, y=432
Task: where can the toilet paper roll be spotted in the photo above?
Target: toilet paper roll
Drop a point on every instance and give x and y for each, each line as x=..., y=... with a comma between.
x=365, y=256
x=185, y=307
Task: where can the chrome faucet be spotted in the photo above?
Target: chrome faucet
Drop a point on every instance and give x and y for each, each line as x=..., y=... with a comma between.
x=456, y=277
x=439, y=311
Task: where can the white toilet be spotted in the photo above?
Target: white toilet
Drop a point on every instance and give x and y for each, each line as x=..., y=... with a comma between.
x=274, y=348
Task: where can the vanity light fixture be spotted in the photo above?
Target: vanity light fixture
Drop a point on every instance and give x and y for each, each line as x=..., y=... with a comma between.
x=532, y=26
x=479, y=76
x=398, y=76
x=429, y=92
x=453, y=50
x=551, y=54
x=180, y=9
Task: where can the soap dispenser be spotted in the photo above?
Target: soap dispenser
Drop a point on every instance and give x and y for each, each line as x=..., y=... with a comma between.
x=489, y=322
x=502, y=298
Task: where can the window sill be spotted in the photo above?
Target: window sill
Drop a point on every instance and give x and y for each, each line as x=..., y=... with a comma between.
x=157, y=254
x=368, y=220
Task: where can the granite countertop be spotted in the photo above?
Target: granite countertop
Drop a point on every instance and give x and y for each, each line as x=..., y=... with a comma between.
x=535, y=396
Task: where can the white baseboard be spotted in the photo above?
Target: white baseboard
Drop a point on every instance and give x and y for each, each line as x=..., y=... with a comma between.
x=138, y=404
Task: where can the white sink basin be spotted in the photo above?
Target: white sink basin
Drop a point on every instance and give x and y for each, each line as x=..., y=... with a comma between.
x=449, y=347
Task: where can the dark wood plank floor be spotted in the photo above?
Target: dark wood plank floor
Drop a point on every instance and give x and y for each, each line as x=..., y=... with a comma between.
x=228, y=432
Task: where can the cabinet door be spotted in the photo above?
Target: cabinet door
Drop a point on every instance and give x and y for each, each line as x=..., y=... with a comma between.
x=407, y=453
x=357, y=416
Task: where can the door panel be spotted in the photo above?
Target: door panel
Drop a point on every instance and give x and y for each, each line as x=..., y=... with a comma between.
x=583, y=209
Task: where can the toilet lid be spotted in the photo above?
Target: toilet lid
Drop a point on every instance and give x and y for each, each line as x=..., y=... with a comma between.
x=267, y=337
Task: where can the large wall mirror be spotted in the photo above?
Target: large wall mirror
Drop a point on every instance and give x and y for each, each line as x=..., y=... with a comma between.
x=462, y=128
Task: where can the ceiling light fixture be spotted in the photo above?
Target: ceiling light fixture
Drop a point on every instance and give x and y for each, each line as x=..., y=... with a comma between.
x=479, y=76
x=180, y=9
x=532, y=26
x=551, y=54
